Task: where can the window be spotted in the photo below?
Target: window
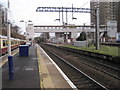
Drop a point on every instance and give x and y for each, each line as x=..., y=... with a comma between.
x=16, y=42
x=12, y=42
x=4, y=42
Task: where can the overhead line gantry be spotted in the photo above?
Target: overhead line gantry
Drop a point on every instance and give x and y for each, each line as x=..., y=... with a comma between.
x=64, y=9
x=75, y=10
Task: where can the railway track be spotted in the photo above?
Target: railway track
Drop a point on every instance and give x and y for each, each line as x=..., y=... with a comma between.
x=110, y=70
x=79, y=78
x=106, y=68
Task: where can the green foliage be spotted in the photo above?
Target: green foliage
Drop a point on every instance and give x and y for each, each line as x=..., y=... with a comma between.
x=82, y=37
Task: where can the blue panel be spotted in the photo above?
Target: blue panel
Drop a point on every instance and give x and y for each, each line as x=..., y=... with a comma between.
x=24, y=50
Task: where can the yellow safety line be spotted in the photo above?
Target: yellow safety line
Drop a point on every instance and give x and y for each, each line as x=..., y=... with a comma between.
x=39, y=65
x=46, y=82
x=6, y=60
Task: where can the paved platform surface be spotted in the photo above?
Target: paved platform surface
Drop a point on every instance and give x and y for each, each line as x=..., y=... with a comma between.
x=34, y=72
x=26, y=73
x=50, y=74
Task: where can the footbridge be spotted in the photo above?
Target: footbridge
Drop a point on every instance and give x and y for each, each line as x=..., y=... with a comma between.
x=77, y=29
x=73, y=29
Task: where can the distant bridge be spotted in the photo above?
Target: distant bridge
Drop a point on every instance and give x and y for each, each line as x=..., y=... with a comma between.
x=31, y=29
x=77, y=29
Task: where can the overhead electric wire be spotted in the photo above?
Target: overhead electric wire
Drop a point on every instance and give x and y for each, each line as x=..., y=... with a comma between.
x=80, y=7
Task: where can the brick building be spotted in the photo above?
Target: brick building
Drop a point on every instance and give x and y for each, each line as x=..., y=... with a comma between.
x=108, y=11
x=118, y=21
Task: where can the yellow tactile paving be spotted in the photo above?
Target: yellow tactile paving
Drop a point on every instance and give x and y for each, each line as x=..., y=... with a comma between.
x=45, y=78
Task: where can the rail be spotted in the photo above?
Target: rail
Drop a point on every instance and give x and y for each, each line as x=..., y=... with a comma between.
x=79, y=78
x=91, y=54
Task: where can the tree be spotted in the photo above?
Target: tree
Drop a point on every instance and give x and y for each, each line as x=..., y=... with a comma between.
x=82, y=37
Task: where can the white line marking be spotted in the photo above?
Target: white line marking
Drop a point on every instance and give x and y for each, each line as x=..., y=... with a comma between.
x=61, y=72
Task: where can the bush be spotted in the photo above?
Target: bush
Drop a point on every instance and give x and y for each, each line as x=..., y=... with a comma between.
x=82, y=37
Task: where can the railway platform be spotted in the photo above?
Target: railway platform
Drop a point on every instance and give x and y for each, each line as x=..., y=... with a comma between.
x=35, y=72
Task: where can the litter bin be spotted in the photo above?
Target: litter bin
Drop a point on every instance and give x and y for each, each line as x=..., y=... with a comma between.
x=23, y=50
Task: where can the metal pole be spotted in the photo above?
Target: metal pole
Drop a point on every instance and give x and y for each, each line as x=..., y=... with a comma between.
x=86, y=34
x=66, y=37
x=97, y=30
x=72, y=11
x=9, y=40
x=0, y=47
x=8, y=31
x=59, y=15
x=62, y=17
x=66, y=18
x=26, y=28
x=10, y=58
x=0, y=28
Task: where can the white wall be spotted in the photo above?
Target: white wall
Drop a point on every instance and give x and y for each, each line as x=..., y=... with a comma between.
x=30, y=32
x=112, y=28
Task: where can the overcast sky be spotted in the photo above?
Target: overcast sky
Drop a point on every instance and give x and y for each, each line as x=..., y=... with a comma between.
x=26, y=10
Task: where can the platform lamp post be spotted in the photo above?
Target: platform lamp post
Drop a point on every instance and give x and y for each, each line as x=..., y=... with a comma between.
x=10, y=57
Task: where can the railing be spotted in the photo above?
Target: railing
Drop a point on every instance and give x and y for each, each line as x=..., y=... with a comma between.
x=67, y=28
